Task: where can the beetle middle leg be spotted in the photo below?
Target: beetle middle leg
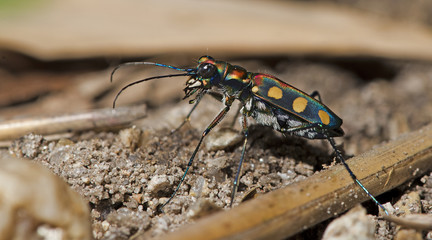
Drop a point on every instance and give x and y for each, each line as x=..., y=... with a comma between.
x=236, y=179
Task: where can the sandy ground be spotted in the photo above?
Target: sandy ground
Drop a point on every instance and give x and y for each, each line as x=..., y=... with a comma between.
x=126, y=175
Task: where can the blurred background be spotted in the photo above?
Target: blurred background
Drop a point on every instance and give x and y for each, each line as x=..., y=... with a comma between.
x=370, y=60
x=59, y=53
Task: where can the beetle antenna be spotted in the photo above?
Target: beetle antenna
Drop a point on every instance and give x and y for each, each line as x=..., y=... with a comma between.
x=146, y=63
x=147, y=79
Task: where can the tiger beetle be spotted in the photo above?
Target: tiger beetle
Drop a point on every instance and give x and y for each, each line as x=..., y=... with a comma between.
x=265, y=98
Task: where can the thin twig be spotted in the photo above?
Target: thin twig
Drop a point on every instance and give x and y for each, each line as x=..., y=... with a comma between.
x=421, y=222
x=97, y=119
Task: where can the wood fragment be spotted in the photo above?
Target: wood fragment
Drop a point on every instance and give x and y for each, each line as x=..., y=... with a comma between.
x=285, y=212
x=422, y=222
x=97, y=119
x=409, y=203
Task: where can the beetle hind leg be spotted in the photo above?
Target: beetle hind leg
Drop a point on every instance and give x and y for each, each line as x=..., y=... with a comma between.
x=316, y=94
x=353, y=176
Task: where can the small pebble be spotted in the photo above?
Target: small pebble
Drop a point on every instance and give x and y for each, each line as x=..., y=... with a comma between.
x=222, y=139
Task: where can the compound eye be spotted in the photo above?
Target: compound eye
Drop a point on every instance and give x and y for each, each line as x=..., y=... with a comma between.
x=207, y=70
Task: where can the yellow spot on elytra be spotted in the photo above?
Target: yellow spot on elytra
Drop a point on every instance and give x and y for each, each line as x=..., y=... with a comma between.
x=299, y=104
x=255, y=89
x=275, y=93
x=325, y=118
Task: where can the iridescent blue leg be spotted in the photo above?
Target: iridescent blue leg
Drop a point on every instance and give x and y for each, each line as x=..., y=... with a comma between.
x=236, y=180
x=215, y=121
x=353, y=176
x=340, y=157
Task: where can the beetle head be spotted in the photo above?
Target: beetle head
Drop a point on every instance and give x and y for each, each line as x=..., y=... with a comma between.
x=206, y=75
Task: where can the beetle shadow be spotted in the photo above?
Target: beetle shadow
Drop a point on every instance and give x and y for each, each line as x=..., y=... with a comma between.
x=315, y=152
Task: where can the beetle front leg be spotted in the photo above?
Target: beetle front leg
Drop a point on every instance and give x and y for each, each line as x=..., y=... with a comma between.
x=215, y=121
x=187, y=118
